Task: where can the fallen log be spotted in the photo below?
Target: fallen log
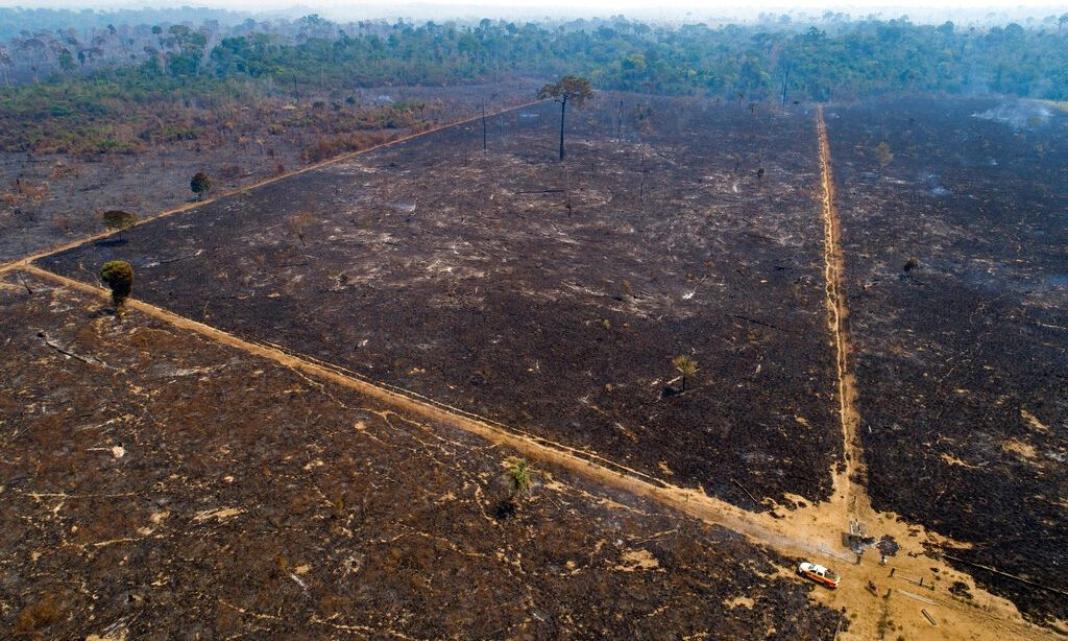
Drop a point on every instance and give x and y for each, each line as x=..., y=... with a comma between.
x=1006, y=575
x=758, y=322
x=747, y=493
x=70, y=354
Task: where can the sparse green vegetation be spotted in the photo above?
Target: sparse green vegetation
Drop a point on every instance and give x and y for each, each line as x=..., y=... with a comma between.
x=517, y=471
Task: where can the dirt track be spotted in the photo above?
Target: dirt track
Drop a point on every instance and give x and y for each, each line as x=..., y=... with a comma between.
x=219, y=195
x=809, y=533
x=952, y=216
x=850, y=479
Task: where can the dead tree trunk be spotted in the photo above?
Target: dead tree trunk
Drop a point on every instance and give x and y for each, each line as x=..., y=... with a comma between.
x=563, y=113
x=619, y=123
x=785, y=79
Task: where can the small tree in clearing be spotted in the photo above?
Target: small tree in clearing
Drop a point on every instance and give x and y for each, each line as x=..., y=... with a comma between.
x=568, y=89
x=518, y=474
x=883, y=154
x=200, y=184
x=516, y=482
x=685, y=366
x=118, y=275
x=298, y=224
x=118, y=220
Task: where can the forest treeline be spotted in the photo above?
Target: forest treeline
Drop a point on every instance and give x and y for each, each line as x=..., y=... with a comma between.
x=836, y=59
x=844, y=61
x=97, y=72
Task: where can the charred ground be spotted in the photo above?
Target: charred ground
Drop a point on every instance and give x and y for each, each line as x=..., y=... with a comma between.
x=57, y=195
x=961, y=358
x=157, y=484
x=550, y=297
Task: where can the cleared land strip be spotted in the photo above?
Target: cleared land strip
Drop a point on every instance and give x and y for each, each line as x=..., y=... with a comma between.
x=26, y=260
x=847, y=491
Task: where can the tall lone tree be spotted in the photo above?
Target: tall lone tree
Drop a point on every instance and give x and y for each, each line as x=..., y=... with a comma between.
x=200, y=184
x=569, y=89
x=118, y=275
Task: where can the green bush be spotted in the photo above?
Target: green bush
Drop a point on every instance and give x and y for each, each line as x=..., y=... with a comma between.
x=118, y=275
x=117, y=220
x=200, y=184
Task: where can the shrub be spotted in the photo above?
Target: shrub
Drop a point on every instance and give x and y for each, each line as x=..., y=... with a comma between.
x=118, y=275
x=298, y=224
x=883, y=154
x=200, y=184
x=117, y=220
x=231, y=172
x=331, y=146
x=517, y=471
x=516, y=482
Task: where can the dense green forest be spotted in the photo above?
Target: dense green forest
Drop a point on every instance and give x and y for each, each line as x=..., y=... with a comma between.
x=93, y=76
x=836, y=60
x=15, y=20
x=845, y=61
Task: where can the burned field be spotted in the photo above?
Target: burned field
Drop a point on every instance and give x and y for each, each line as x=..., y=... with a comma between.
x=953, y=219
x=157, y=484
x=549, y=297
x=54, y=197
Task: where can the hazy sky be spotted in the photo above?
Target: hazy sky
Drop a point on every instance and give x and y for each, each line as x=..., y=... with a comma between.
x=693, y=9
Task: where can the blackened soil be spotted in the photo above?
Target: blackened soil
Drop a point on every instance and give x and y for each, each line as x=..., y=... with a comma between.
x=159, y=486
x=962, y=362
x=550, y=297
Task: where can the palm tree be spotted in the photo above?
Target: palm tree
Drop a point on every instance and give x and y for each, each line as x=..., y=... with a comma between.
x=518, y=475
x=685, y=366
